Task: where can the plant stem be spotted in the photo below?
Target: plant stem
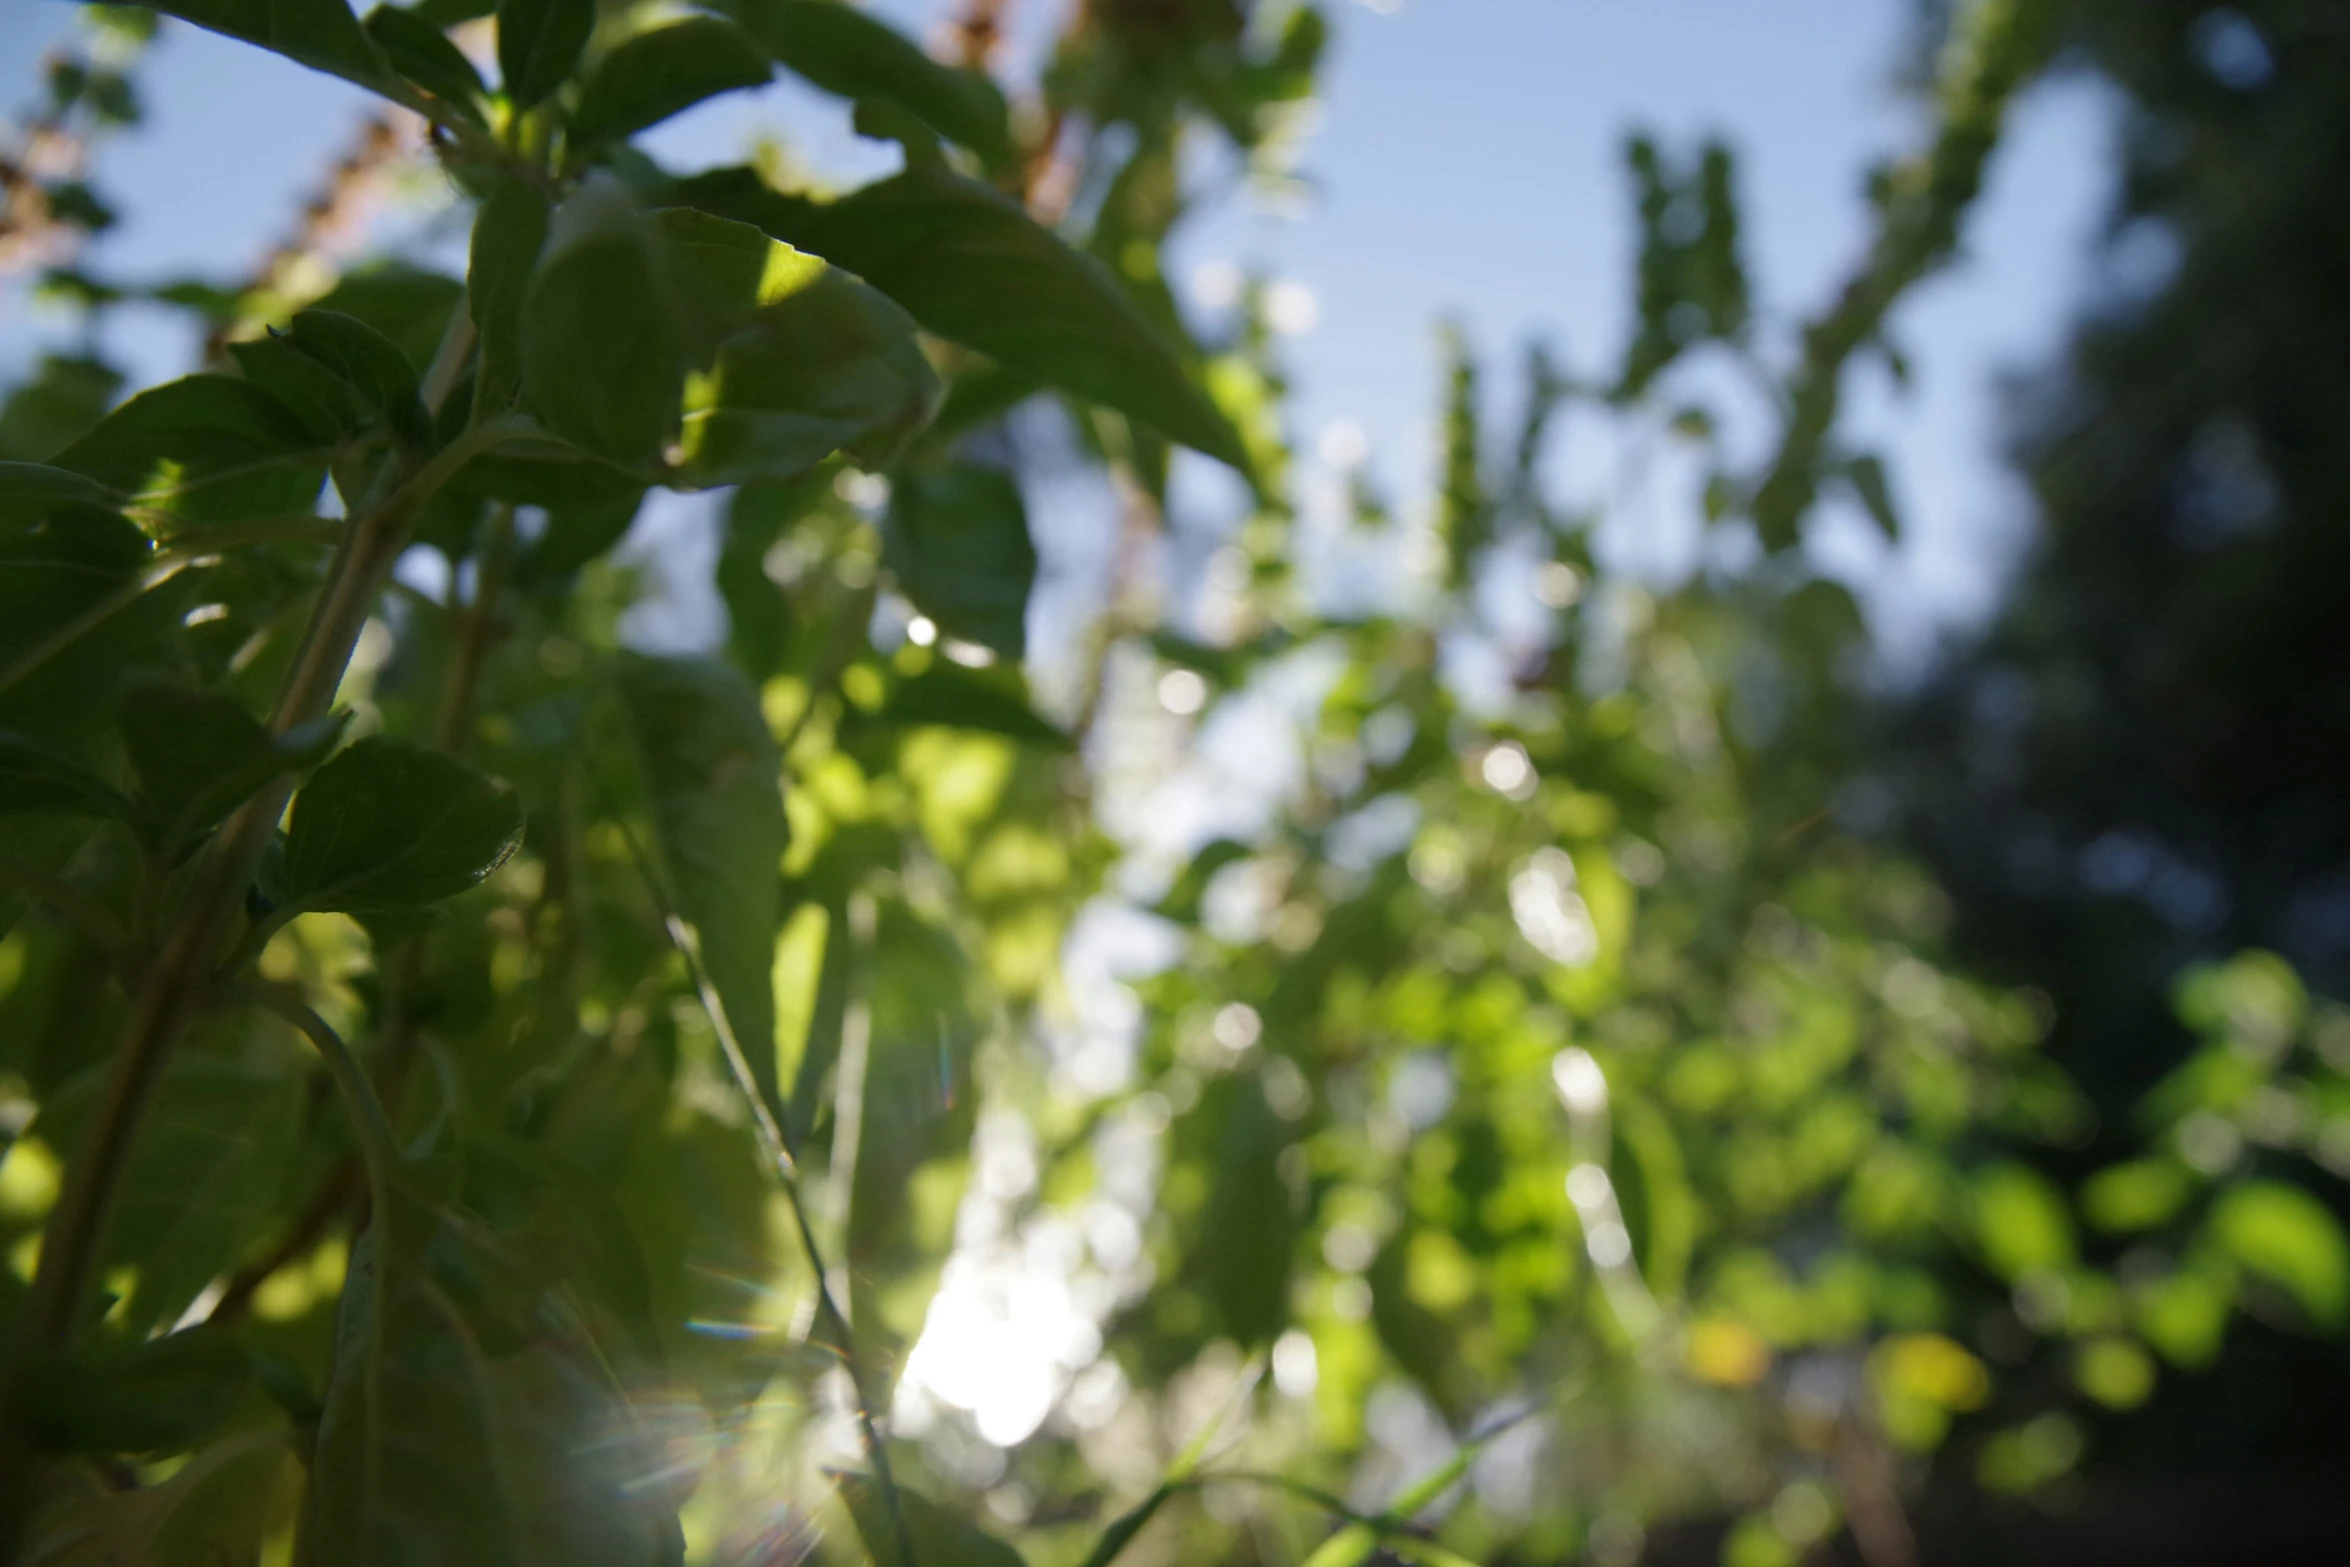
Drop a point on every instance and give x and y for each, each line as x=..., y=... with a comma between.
x=476, y=631
x=780, y=1159
x=178, y=981
x=369, y=1124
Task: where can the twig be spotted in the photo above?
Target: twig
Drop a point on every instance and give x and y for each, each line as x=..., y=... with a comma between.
x=780, y=1160
x=369, y=1124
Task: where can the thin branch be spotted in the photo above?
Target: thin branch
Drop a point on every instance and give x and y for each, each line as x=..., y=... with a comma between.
x=369, y=1124
x=332, y=1199
x=179, y=981
x=773, y=1144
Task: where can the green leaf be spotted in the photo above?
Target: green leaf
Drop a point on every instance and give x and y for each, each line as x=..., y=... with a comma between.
x=538, y=44
x=36, y=780
x=467, y=1423
x=407, y=304
x=199, y=754
x=76, y=608
x=714, y=778
x=2021, y=1222
x=2290, y=1238
x=508, y=233
x=30, y=491
x=2136, y=1196
x=214, y=1511
x=945, y=695
x=1240, y=1255
x=209, y=447
x=936, y=1534
x=807, y=361
x=1866, y=475
x=576, y=534
x=387, y=825
x=971, y=265
x=322, y=34
x=421, y=52
x=663, y=72
x=370, y=364
x=957, y=542
x=203, y=1180
x=846, y=51
x=152, y=1396
x=313, y=395
x=603, y=358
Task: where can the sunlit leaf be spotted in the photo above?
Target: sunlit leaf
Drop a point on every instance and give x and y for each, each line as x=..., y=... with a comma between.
x=209, y=447
x=970, y=265
x=715, y=784
x=2288, y=1237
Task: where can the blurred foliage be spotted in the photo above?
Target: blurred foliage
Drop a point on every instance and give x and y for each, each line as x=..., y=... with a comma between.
x=1437, y=1074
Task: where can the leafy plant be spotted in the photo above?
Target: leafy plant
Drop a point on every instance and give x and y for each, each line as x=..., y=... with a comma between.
x=485, y=1093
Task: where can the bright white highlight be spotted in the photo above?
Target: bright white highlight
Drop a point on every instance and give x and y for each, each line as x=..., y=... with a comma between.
x=1182, y=692
x=1580, y=1081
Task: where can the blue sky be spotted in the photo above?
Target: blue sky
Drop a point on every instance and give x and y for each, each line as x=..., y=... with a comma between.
x=1467, y=164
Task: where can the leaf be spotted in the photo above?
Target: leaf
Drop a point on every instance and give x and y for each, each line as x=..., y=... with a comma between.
x=807, y=361
x=147, y=1396
x=467, y=1422
x=370, y=364
x=936, y=1534
x=714, y=778
x=971, y=265
x=2021, y=1222
x=663, y=72
x=214, y=1511
x=538, y=44
x=77, y=608
x=2136, y=1196
x=202, y=1181
x=209, y=447
x=407, y=304
x=957, y=542
x=603, y=359
x=423, y=53
x=2288, y=1237
x=508, y=233
x=847, y=52
x=946, y=695
x=1867, y=477
x=37, y=780
x=388, y=825
x=199, y=754
x=30, y=491
x=1240, y=1256
x=322, y=34
x=312, y=394
x=1126, y=1526
x=576, y=534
